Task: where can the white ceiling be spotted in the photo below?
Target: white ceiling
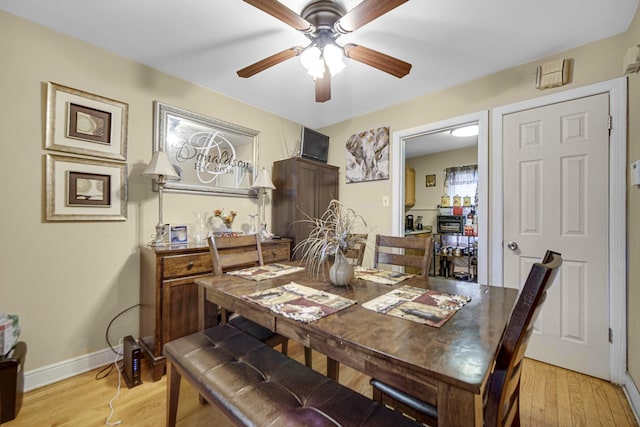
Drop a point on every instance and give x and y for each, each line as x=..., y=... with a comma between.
x=447, y=41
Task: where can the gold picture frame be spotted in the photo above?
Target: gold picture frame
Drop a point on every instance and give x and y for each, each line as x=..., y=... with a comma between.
x=79, y=189
x=80, y=122
x=430, y=180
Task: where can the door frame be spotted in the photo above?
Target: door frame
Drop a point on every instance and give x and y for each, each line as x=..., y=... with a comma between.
x=617, y=90
x=397, y=186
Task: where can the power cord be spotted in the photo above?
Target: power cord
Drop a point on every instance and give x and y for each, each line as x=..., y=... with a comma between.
x=111, y=409
x=106, y=333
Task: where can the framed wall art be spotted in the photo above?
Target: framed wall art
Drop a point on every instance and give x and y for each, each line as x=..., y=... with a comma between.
x=430, y=180
x=79, y=189
x=368, y=156
x=209, y=155
x=83, y=123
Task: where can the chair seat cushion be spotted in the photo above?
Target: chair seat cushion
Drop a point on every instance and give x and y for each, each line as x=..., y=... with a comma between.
x=249, y=327
x=256, y=385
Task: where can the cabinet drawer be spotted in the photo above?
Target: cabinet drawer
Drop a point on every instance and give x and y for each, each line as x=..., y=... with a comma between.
x=186, y=265
x=275, y=253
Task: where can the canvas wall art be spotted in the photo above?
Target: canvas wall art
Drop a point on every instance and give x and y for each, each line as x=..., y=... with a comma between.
x=368, y=156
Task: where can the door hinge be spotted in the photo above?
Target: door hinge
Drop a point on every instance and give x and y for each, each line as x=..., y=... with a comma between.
x=610, y=336
x=610, y=124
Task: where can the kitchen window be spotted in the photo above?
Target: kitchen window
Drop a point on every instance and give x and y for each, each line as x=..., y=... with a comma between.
x=462, y=181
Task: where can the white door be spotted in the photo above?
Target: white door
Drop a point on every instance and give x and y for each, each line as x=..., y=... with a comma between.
x=556, y=179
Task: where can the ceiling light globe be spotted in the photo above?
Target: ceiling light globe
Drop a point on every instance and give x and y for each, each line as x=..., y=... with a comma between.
x=465, y=131
x=310, y=57
x=333, y=57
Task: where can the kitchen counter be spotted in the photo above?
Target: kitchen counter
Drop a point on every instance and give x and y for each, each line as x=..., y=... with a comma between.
x=415, y=232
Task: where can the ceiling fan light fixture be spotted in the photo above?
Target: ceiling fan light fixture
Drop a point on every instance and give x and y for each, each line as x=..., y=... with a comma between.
x=311, y=60
x=333, y=57
x=465, y=131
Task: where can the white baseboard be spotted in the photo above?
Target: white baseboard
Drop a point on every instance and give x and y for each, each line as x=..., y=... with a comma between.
x=633, y=396
x=40, y=377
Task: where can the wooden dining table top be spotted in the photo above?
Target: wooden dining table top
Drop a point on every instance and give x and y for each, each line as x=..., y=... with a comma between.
x=422, y=360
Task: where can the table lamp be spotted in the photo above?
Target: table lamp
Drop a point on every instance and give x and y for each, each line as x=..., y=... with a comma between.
x=160, y=169
x=263, y=183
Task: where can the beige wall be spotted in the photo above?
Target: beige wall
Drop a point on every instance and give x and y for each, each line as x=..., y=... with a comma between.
x=592, y=63
x=428, y=198
x=67, y=280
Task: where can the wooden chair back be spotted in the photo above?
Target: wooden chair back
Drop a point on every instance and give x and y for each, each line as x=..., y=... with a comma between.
x=502, y=394
x=239, y=252
x=355, y=255
x=416, y=253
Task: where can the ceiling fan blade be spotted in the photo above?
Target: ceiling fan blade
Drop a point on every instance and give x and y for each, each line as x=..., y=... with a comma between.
x=363, y=13
x=323, y=87
x=283, y=13
x=269, y=61
x=381, y=61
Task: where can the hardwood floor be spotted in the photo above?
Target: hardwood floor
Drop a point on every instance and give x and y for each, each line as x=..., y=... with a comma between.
x=549, y=397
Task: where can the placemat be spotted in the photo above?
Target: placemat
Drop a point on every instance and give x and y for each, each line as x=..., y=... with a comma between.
x=386, y=277
x=300, y=302
x=425, y=306
x=264, y=272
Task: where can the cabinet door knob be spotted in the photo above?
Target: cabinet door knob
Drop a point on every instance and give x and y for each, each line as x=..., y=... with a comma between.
x=190, y=265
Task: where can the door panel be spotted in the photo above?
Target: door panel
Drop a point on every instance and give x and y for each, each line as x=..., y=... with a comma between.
x=556, y=197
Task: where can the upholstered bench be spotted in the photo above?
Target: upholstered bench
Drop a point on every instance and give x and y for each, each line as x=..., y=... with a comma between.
x=255, y=385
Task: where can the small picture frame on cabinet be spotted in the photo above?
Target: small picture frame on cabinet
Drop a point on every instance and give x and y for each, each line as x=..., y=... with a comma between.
x=178, y=234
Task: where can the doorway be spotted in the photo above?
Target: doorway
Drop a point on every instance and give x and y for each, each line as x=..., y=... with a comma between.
x=399, y=148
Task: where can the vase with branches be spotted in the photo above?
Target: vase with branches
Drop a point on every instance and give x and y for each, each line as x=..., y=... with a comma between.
x=331, y=236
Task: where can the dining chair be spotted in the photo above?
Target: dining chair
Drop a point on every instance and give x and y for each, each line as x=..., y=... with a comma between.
x=417, y=252
x=240, y=252
x=501, y=398
x=355, y=254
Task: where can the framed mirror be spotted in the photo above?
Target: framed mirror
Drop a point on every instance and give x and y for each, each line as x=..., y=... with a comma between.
x=209, y=155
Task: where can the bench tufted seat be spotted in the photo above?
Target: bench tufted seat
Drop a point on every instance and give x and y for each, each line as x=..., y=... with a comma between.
x=255, y=385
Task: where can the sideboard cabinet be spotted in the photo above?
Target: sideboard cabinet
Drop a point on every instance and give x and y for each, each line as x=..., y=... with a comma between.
x=169, y=296
x=303, y=187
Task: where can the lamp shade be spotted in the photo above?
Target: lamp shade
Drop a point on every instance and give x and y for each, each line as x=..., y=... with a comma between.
x=263, y=180
x=160, y=165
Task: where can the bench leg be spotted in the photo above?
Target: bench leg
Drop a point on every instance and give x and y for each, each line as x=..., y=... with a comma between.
x=173, y=394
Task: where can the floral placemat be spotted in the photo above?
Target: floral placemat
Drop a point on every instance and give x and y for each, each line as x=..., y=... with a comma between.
x=300, y=302
x=386, y=277
x=425, y=306
x=264, y=272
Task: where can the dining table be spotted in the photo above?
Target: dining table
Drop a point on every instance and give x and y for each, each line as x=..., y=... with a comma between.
x=447, y=366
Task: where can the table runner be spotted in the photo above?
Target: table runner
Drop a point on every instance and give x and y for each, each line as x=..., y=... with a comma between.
x=386, y=277
x=425, y=306
x=299, y=302
x=264, y=272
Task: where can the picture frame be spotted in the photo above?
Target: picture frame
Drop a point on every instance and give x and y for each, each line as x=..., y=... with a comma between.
x=430, y=180
x=83, y=123
x=209, y=155
x=81, y=189
x=367, y=156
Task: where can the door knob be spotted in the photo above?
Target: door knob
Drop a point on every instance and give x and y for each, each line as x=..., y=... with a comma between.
x=512, y=245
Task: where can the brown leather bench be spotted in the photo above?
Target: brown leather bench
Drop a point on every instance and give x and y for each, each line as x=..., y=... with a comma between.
x=254, y=384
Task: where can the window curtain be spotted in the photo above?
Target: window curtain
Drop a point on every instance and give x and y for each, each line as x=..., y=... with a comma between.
x=458, y=177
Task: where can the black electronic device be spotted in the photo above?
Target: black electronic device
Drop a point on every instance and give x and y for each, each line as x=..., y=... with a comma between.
x=314, y=145
x=131, y=365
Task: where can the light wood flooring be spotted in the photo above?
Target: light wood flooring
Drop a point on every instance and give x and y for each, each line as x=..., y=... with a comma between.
x=549, y=397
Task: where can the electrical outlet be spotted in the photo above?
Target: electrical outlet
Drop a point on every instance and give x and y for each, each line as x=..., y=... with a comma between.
x=385, y=200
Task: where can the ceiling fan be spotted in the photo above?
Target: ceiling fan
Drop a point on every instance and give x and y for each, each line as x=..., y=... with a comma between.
x=322, y=22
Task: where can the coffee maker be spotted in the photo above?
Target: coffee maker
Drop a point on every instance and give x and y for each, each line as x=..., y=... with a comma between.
x=408, y=222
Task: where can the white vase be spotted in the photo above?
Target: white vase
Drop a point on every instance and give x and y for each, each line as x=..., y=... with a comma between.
x=341, y=272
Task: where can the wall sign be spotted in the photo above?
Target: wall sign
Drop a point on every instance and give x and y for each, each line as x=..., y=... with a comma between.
x=210, y=155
